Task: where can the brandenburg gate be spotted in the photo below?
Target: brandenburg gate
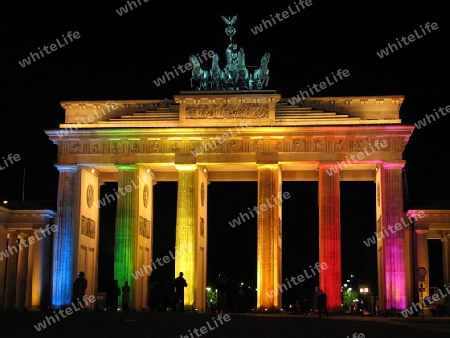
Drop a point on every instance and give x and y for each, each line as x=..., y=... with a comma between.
x=228, y=127
x=203, y=136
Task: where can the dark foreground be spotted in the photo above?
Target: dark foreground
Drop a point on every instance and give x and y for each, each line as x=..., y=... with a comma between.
x=191, y=325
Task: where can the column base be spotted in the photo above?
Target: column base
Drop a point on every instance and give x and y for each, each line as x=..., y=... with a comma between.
x=268, y=311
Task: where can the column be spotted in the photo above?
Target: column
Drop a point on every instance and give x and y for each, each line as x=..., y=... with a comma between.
x=446, y=267
x=330, y=235
x=3, y=259
x=269, y=286
x=422, y=259
x=395, y=298
x=126, y=226
x=186, y=226
x=39, y=262
x=65, y=248
x=22, y=272
x=11, y=271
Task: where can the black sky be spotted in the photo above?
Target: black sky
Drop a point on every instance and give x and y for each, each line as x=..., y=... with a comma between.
x=119, y=57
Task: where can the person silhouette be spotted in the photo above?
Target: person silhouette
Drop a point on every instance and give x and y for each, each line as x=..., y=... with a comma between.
x=323, y=303
x=179, y=284
x=221, y=286
x=112, y=295
x=125, y=297
x=79, y=288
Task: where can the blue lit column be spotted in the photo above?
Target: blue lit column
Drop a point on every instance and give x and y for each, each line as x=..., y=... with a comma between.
x=64, y=245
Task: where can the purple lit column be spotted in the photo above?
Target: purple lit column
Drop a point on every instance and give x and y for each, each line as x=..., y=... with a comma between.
x=394, y=244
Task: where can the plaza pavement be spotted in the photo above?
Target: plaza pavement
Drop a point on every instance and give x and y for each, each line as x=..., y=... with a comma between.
x=195, y=325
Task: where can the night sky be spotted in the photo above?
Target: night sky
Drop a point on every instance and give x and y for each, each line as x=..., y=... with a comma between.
x=120, y=57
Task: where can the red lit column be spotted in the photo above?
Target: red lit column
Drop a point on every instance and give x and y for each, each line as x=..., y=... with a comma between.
x=330, y=235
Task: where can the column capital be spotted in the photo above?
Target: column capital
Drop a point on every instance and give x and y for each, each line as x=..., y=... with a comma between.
x=273, y=166
x=186, y=167
x=125, y=167
x=13, y=233
x=393, y=165
x=63, y=167
x=23, y=235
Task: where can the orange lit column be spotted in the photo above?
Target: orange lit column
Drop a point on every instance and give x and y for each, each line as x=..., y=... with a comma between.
x=269, y=237
x=3, y=247
x=394, y=255
x=22, y=272
x=38, y=284
x=11, y=271
x=186, y=229
x=330, y=235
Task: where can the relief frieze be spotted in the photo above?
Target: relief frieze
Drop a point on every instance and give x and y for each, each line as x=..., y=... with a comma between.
x=228, y=111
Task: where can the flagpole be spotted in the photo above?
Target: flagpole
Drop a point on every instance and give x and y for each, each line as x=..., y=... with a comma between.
x=23, y=185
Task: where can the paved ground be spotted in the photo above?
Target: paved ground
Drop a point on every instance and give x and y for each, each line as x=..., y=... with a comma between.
x=189, y=325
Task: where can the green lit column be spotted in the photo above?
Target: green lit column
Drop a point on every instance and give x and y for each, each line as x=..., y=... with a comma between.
x=126, y=225
x=186, y=225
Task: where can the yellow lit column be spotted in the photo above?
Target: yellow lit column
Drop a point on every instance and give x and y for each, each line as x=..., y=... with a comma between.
x=330, y=235
x=22, y=272
x=11, y=271
x=422, y=258
x=269, y=237
x=3, y=247
x=186, y=229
